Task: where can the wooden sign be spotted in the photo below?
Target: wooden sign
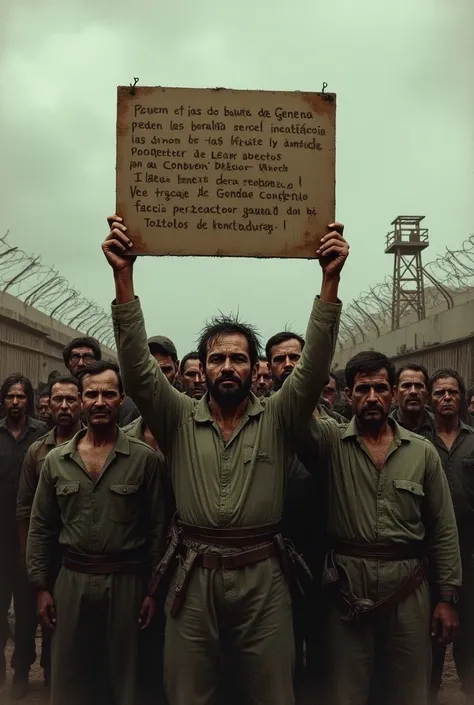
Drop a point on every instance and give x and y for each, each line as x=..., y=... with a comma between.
x=225, y=173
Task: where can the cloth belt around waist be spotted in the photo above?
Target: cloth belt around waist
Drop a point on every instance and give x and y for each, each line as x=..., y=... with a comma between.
x=378, y=551
x=234, y=536
x=130, y=562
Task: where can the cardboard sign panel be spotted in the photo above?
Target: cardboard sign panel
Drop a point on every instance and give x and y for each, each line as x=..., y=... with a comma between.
x=219, y=172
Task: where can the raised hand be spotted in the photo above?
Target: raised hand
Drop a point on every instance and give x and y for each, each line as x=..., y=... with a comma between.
x=333, y=250
x=116, y=243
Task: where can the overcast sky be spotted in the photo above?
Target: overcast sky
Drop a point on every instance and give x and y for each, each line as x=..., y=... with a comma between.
x=403, y=73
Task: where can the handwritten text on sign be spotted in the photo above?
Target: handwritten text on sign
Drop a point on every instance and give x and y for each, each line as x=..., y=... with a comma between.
x=229, y=173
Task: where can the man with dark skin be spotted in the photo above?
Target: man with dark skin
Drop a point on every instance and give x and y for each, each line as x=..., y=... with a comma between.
x=389, y=507
x=101, y=493
x=18, y=430
x=64, y=403
x=44, y=411
x=192, y=378
x=228, y=455
x=328, y=397
x=411, y=397
x=454, y=441
x=263, y=385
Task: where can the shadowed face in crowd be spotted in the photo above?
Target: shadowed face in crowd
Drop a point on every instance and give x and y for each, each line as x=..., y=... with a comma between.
x=44, y=410
x=193, y=380
x=16, y=403
x=263, y=385
x=446, y=397
x=65, y=405
x=328, y=396
x=371, y=398
x=283, y=360
x=167, y=365
x=410, y=392
x=101, y=399
x=471, y=405
x=80, y=358
x=229, y=373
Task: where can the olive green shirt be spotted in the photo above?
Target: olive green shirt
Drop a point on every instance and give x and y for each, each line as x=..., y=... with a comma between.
x=119, y=512
x=407, y=500
x=242, y=481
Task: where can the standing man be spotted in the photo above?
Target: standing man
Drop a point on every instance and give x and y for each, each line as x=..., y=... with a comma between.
x=81, y=352
x=18, y=431
x=328, y=397
x=454, y=441
x=44, y=412
x=101, y=493
x=65, y=405
x=411, y=396
x=389, y=508
x=190, y=371
x=263, y=385
x=228, y=455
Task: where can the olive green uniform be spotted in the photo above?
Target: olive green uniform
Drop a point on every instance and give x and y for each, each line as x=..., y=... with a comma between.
x=94, y=645
x=407, y=501
x=239, y=483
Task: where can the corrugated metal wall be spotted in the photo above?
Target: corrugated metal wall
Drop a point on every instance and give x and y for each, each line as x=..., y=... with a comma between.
x=458, y=355
x=27, y=351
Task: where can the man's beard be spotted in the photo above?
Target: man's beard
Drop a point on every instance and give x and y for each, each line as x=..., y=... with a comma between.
x=231, y=397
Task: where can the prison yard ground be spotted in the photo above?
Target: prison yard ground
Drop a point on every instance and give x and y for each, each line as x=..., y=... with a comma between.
x=450, y=695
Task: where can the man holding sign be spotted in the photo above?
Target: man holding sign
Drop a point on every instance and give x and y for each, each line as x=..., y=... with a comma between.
x=228, y=454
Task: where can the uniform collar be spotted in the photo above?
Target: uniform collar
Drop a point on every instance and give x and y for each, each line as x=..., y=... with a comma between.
x=203, y=412
x=122, y=443
x=400, y=433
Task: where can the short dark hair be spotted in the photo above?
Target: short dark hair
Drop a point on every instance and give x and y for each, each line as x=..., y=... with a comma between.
x=416, y=368
x=63, y=379
x=279, y=338
x=263, y=358
x=369, y=361
x=225, y=325
x=18, y=378
x=96, y=368
x=86, y=342
x=470, y=394
x=333, y=376
x=444, y=373
x=42, y=391
x=194, y=355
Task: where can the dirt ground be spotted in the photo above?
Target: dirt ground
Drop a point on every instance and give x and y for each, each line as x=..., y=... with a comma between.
x=451, y=694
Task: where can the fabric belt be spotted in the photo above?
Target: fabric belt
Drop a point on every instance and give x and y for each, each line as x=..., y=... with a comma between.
x=238, y=536
x=133, y=562
x=378, y=551
x=236, y=560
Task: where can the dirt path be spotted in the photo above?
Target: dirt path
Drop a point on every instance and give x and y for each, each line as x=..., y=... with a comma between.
x=451, y=694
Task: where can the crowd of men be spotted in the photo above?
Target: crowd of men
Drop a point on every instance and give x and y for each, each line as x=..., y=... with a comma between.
x=236, y=527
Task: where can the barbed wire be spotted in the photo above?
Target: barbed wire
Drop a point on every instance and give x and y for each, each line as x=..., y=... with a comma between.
x=43, y=287
x=449, y=274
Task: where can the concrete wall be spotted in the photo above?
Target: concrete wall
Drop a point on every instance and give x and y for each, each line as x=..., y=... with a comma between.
x=31, y=342
x=440, y=331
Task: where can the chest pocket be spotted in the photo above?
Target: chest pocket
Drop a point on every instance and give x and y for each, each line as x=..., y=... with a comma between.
x=124, y=503
x=261, y=456
x=69, y=501
x=408, y=500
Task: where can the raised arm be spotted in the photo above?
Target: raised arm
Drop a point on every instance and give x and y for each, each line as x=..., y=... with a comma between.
x=296, y=401
x=160, y=405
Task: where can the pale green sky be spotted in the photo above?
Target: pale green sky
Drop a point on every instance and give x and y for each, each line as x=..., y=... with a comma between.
x=403, y=73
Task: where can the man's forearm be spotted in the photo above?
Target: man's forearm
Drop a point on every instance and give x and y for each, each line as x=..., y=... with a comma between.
x=124, y=291
x=329, y=289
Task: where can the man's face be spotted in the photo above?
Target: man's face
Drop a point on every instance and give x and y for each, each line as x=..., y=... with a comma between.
x=371, y=398
x=101, y=399
x=79, y=358
x=329, y=393
x=65, y=405
x=229, y=373
x=263, y=385
x=283, y=360
x=16, y=403
x=44, y=410
x=167, y=365
x=446, y=397
x=410, y=392
x=193, y=380
x=471, y=405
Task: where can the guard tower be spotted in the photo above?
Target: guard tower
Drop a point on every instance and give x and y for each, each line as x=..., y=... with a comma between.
x=406, y=241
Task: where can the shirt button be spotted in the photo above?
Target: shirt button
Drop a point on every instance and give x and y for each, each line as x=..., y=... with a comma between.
x=124, y=490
